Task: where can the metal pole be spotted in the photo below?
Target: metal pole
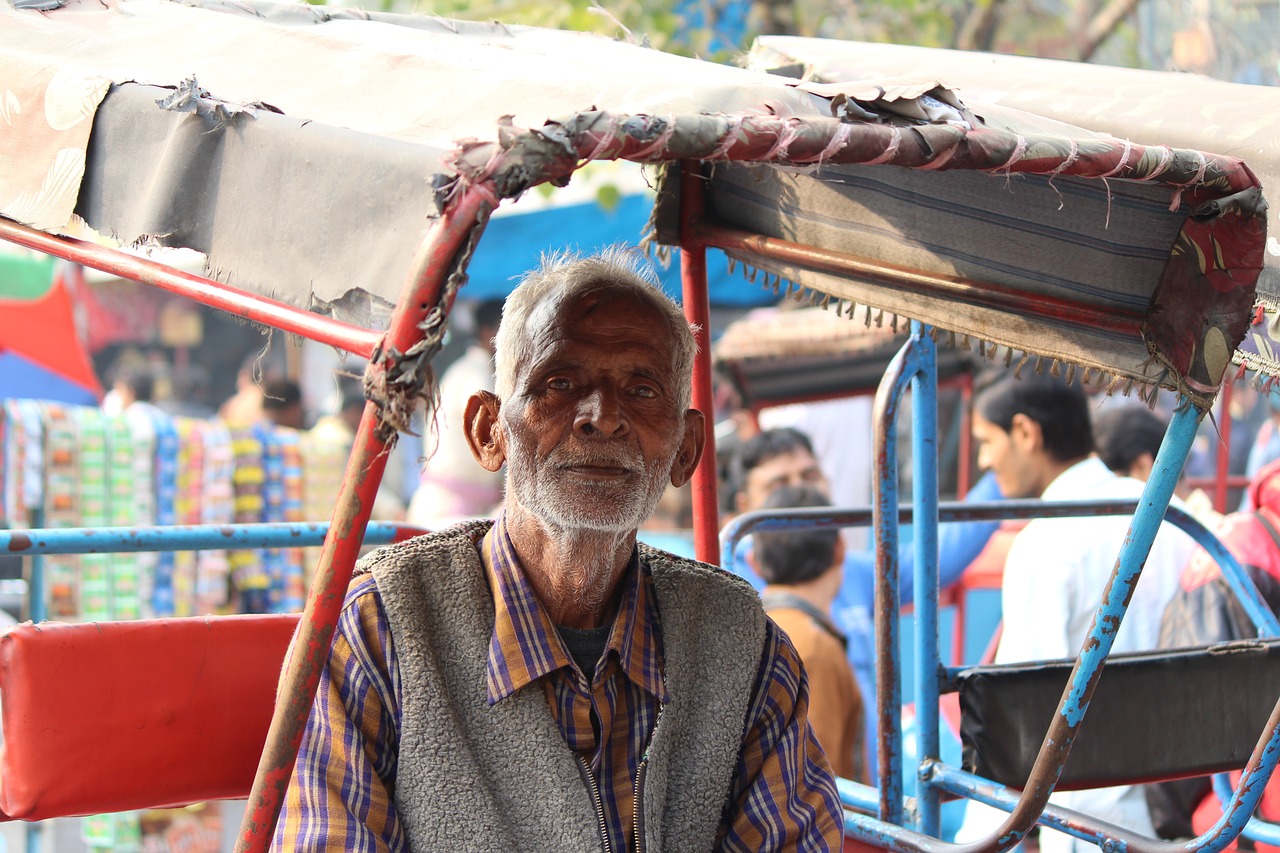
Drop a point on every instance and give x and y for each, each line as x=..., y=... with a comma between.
x=206, y=291
x=37, y=612
x=935, y=285
x=924, y=483
x=693, y=277
x=184, y=537
x=884, y=502
x=422, y=295
x=37, y=608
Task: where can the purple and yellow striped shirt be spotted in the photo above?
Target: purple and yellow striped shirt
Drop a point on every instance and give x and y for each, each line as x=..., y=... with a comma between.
x=782, y=797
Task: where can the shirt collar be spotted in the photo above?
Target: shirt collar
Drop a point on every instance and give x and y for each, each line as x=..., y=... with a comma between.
x=526, y=646
x=1080, y=477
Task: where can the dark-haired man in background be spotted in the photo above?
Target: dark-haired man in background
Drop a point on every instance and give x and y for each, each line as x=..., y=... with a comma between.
x=1035, y=435
x=802, y=573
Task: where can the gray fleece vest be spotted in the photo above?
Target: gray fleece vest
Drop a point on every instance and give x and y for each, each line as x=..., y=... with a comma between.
x=474, y=777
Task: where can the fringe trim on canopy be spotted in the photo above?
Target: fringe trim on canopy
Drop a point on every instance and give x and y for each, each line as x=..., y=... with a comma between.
x=1089, y=377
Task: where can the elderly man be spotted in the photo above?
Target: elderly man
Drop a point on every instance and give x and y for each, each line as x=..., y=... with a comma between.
x=542, y=682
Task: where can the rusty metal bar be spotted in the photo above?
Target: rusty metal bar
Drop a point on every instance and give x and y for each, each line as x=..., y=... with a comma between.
x=697, y=308
x=310, y=650
x=884, y=502
x=206, y=291
x=186, y=537
x=945, y=287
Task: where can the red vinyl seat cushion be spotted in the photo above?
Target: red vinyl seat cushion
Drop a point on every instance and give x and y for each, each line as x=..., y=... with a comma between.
x=111, y=716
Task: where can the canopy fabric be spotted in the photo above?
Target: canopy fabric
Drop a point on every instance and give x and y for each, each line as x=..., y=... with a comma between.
x=311, y=178
x=1174, y=108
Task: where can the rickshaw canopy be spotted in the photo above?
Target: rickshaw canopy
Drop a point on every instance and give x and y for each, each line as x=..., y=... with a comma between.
x=1134, y=262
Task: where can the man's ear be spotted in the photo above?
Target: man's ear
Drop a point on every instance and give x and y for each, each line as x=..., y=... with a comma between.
x=484, y=433
x=1026, y=433
x=691, y=445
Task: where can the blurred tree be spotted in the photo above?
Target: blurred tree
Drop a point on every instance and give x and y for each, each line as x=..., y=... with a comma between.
x=1232, y=39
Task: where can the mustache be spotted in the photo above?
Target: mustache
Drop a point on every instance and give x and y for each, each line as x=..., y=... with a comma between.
x=597, y=457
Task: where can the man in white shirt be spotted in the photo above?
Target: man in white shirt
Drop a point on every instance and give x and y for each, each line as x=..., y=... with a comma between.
x=1034, y=434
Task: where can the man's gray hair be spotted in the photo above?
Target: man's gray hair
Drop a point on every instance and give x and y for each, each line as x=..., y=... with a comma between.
x=569, y=276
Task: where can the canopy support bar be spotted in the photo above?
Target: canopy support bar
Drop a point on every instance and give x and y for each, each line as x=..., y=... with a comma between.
x=426, y=291
x=697, y=308
x=945, y=287
x=206, y=291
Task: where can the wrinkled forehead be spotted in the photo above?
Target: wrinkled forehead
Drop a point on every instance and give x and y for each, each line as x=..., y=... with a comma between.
x=557, y=315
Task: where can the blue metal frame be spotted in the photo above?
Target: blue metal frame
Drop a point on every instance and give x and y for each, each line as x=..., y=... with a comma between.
x=901, y=370
x=192, y=537
x=924, y=482
x=915, y=365
x=1267, y=623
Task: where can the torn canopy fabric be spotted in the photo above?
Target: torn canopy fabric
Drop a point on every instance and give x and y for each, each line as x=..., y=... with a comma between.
x=1173, y=108
x=311, y=177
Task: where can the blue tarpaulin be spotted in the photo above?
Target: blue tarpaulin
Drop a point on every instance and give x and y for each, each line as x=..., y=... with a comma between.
x=513, y=244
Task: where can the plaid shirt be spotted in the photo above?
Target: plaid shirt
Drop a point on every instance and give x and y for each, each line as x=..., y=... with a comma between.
x=782, y=797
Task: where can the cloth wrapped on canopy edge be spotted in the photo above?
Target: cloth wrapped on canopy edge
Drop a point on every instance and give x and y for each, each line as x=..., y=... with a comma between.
x=1224, y=251
x=1178, y=108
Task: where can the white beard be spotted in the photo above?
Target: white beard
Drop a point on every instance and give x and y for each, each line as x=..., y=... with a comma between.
x=555, y=496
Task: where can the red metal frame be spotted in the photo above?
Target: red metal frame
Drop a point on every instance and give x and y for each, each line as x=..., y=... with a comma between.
x=352, y=339
x=697, y=307
x=310, y=651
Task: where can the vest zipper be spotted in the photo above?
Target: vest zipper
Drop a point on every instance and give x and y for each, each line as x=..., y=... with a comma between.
x=596, y=800
x=637, y=816
x=637, y=809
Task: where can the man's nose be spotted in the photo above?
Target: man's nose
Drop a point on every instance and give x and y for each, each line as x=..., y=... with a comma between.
x=984, y=459
x=600, y=413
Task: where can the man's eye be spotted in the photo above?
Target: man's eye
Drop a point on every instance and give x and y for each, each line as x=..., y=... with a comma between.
x=647, y=391
x=559, y=383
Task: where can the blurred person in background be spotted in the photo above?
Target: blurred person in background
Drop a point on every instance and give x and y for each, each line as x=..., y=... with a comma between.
x=453, y=484
x=245, y=406
x=338, y=429
x=802, y=570
x=784, y=457
x=1205, y=611
x=1127, y=439
x=134, y=384
x=282, y=403
x=1035, y=435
